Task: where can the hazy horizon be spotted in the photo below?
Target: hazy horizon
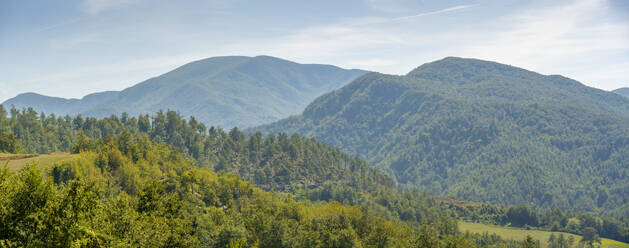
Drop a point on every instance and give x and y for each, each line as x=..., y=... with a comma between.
x=74, y=48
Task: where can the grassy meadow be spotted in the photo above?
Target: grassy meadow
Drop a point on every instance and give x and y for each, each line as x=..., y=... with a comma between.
x=45, y=161
x=511, y=233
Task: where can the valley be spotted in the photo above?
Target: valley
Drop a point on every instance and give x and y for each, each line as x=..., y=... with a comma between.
x=304, y=168
x=453, y=144
x=323, y=124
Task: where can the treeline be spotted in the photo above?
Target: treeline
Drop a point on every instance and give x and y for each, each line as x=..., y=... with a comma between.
x=555, y=220
x=304, y=167
x=9, y=143
x=309, y=169
x=568, y=221
x=282, y=162
x=295, y=164
x=129, y=191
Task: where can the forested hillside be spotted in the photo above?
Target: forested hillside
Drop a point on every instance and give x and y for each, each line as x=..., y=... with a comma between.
x=220, y=91
x=622, y=91
x=124, y=192
x=482, y=131
x=294, y=164
x=129, y=191
x=308, y=169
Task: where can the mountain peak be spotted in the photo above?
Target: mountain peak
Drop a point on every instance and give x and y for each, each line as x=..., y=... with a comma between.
x=460, y=126
x=268, y=57
x=31, y=94
x=464, y=69
x=37, y=96
x=226, y=91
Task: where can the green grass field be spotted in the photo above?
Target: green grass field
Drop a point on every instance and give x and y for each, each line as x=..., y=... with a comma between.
x=511, y=233
x=45, y=161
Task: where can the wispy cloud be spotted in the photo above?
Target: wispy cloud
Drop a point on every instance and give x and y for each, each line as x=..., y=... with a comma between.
x=97, y=6
x=579, y=39
x=557, y=39
x=436, y=12
x=571, y=39
x=359, y=43
x=380, y=20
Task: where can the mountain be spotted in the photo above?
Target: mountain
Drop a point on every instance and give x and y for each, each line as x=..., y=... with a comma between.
x=482, y=131
x=622, y=91
x=224, y=91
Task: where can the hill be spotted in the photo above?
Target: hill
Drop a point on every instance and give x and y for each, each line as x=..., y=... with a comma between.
x=482, y=131
x=221, y=91
x=622, y=91
x=306, y=168
x=152, y=197
x=311, y=170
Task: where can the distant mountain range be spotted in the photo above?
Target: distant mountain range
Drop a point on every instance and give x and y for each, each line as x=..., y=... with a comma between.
x=223, y=91
x=482, y=131
x=622, y=91
x=464, y=128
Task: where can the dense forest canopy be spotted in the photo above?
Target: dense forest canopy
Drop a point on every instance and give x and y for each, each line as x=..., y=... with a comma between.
x=9, y=143
x=622, y=91
x=125, y=192
x=482, y=131
x=303, y=167
x=129, y=191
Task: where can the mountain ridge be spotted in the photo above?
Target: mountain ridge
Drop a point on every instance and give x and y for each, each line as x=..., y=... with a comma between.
x=622, y=91
x=472, y=139
x=226, y=91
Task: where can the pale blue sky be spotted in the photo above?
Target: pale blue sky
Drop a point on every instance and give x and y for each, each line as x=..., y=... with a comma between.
x=75, y=47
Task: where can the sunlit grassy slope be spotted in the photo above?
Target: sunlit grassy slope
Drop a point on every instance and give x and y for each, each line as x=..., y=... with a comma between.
x=520, y=234
x=17, y=161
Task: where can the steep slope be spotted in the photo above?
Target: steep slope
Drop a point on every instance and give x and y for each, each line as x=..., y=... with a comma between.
x=622, y=91
x=482, y=131
x=224, y=91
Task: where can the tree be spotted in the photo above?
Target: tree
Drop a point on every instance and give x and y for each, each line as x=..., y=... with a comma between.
x=447, y=226
x=529, y=242
x=570, y=241
x=82, y=144
x=563, y=242
x=590, y=237
x=552, y=242
x=144, y=124
x=457, y=241
x=522, y=215
x=426, y=238
x=9, y=143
